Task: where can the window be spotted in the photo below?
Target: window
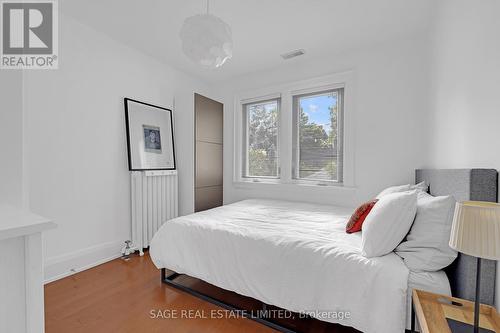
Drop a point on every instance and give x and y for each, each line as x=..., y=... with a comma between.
x=317, y=136
x=296, y=134
x=260, y=143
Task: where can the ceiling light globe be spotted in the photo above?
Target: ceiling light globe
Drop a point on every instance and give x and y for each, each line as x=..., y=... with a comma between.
x=207, y=40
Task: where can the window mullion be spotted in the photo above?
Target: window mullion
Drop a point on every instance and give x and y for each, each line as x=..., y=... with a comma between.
x=285, y=130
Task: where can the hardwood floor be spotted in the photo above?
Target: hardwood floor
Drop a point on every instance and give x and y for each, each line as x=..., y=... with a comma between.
x=123, y=296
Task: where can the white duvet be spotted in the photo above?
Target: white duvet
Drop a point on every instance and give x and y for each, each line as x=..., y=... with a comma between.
x=292, y=255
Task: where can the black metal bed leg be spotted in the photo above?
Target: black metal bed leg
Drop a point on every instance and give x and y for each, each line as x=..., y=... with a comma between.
x=412, y=317
x=264, y=310
x=165, y=278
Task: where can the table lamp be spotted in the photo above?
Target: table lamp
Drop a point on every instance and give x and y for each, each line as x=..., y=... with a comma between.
x=476, y=232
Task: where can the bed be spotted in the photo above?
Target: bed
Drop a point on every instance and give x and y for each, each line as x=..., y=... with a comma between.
x=297, y=256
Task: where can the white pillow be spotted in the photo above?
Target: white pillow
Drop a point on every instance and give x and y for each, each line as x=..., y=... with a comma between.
x=426, y=246
x=422, y=186
x=393, y=189
x=388, y=223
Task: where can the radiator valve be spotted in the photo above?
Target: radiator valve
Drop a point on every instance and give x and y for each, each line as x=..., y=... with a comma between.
x=127, y=250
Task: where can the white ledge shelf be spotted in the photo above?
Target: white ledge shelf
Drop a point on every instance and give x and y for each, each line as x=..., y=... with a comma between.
x=21, y=270
x=15, y=223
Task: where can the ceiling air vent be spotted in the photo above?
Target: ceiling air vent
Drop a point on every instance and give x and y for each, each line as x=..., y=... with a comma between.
x=293, y=54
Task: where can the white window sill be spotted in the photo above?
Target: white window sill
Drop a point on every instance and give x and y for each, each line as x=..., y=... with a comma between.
x=257, y=181
x=252, y=183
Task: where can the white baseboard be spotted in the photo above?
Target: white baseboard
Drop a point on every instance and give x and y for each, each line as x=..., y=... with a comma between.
x=65, y=265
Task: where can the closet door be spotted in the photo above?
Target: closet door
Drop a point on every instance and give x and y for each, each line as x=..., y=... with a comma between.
x=208, y=153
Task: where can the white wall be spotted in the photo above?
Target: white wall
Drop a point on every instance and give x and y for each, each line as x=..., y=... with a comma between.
x=11, y=138
x=76, y=142
x=390, y=122
x=465, y=109
x=75, y=150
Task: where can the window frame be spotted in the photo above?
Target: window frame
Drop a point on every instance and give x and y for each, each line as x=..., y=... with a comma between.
x=286, y=92
x=296, y=137
x=244, y=147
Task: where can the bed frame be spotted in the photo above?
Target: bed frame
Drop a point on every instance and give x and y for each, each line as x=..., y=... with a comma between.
x=462, y=184
x=170, y=280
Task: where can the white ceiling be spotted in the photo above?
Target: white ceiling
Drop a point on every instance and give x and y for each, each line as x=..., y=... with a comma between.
x=262, y=29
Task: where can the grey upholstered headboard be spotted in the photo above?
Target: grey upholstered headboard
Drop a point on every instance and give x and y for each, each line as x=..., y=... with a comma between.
x=466, y=184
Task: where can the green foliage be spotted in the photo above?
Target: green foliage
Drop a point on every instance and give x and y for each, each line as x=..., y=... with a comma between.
x=260, y=165
x=317, y=147
x=331, y=167
x=312, y=135
x=333, y=135
x=262, y=141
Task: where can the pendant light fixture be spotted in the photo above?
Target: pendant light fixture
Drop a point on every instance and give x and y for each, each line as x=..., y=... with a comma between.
x=207, y=40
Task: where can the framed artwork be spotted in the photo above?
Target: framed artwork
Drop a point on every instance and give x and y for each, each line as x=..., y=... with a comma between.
x=150, y=136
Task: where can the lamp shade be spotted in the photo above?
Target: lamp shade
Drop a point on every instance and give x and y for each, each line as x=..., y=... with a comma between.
x=476, y=229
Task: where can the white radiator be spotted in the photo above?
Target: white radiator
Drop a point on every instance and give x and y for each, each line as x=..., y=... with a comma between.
x=154, y=201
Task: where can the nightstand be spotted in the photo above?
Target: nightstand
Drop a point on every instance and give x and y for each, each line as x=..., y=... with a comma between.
x=434, y=311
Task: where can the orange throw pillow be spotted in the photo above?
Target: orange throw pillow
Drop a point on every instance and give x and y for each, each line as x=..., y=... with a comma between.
x=358, y=217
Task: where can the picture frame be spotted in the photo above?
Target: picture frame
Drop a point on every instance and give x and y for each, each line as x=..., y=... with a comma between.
x=150, y=136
